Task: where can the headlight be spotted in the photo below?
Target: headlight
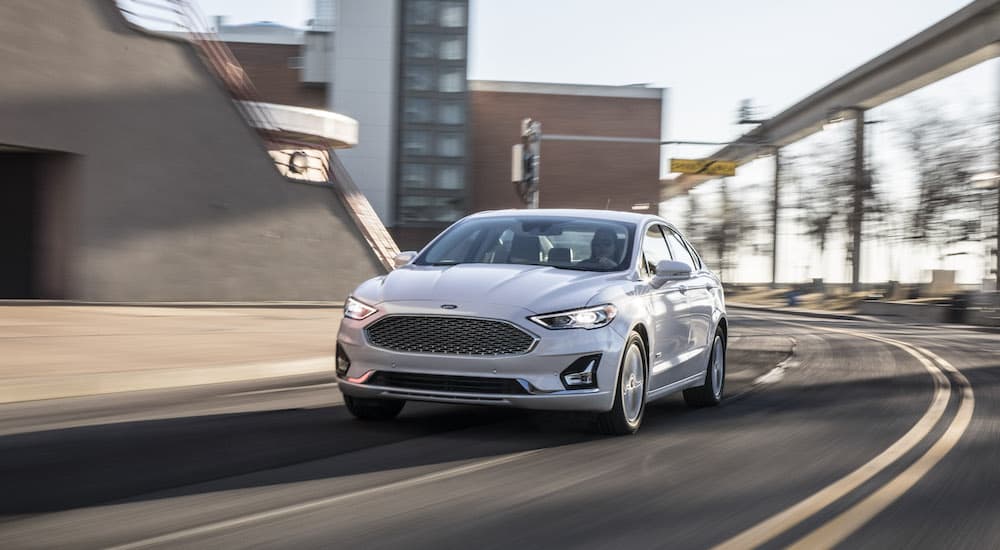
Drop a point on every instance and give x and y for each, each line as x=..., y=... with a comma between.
x=356, y=310
x=586, y=318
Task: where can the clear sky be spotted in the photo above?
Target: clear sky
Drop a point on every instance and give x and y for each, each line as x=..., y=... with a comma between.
x=711, y=53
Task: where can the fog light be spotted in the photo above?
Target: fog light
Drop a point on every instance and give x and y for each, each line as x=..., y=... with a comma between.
x=582, y=373
x=343, y=362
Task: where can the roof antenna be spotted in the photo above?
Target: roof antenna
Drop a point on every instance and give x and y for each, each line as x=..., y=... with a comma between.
x=607, y=205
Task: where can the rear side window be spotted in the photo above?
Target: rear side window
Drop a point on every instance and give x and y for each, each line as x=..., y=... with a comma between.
x=654, y=248
x=678, y=250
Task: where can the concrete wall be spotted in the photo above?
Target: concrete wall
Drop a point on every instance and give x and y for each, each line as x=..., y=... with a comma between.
x=364, y=88
x=171, y=196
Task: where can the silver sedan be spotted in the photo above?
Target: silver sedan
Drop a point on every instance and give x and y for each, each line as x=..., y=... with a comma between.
x=581, y=310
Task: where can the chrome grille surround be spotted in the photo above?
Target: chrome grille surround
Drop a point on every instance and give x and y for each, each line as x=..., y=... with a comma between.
x=449, y=335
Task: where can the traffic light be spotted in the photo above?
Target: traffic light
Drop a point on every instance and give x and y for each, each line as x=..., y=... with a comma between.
x=526, y=162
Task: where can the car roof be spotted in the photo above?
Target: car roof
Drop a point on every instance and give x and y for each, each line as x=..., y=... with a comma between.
x=609, y=215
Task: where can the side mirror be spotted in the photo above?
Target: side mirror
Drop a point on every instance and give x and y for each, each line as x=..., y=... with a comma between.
x=670, y=270
x=403, y=258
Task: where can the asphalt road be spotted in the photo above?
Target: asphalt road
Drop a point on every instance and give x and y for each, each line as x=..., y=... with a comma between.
x=871, y=435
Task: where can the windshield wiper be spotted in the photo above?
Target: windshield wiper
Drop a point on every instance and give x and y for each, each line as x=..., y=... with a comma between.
x=445, y=262
x=569, y=267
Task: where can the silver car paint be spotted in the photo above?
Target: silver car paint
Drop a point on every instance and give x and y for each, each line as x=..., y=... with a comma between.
x=680, y=319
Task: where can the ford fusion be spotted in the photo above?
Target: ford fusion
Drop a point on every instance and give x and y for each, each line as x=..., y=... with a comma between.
x=572, y=310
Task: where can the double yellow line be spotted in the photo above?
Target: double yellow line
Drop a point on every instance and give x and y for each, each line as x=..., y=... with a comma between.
x=849, y=521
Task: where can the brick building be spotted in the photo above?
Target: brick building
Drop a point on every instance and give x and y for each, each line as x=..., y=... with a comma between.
x=600, y=147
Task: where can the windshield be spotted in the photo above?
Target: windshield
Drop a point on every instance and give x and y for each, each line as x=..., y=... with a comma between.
x=561, y=242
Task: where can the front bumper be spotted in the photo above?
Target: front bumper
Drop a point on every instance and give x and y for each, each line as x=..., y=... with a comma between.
x=537, y=371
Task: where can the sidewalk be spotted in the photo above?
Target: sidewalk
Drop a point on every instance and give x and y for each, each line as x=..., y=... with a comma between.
x=52, y=351
x=57, y=350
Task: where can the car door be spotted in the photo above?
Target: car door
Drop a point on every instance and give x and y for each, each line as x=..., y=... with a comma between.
x=700, y=304
x=668, y=309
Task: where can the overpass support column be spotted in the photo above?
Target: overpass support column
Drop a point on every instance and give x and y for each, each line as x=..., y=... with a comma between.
x=775, y=205
x=857, y=213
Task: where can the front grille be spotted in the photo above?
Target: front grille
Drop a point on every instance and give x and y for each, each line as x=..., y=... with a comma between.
x=444, y=383
x=452, y=335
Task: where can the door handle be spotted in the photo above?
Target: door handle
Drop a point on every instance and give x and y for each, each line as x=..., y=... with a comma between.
x=682, y=288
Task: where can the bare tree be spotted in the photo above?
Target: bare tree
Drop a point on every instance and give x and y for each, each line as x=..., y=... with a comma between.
x=945, y=151
x=824, y=196
x=732, y=228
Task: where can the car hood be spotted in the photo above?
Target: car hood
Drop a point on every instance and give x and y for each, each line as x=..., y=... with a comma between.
x=539, y=289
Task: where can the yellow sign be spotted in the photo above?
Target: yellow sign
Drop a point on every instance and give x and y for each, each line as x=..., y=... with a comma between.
x=704, y=167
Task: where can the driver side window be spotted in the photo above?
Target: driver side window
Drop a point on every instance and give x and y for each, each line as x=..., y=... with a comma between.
x=654, y=248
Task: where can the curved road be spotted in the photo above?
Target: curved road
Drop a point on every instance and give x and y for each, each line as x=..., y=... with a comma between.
x=870, y=435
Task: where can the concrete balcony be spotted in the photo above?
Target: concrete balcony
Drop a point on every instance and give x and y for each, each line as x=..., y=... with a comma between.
x=302, y=126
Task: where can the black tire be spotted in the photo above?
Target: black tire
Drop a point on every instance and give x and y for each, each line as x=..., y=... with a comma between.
x=616, y=421
x=373, y=409
x=705, y=395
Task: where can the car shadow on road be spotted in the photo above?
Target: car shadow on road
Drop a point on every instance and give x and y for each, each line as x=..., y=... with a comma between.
x=69, y=468
x=63, y=469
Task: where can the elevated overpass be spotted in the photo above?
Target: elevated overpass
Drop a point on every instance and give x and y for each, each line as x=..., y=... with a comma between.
x=961, y=40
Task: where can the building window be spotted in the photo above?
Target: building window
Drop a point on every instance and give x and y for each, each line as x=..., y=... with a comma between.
x=450, y=177
x=416, y=176
x=420, y=12
x=418, y=110
x=419, y=78
x=452, y=14
x=450, y=145
x=452, y=81
x=452, y=49
x=429, y=209
x=295, y=62
x=417, y=143
x=451, y=113
x=420, y=46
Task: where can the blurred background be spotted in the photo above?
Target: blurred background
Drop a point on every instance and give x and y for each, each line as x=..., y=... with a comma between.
x=865, y=139
x=189, y=191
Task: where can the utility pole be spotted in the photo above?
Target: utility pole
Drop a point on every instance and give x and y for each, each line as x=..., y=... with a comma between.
x=997, y=273
x=775, y=205
x=859, y=185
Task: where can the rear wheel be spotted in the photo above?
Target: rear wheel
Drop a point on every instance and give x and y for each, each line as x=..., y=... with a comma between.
x=625, y=415
x=374, y=409
x=709, y=394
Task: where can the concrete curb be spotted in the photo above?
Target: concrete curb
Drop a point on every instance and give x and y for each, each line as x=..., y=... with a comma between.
x=869, y=319
x=34, y=388
x=802, y=312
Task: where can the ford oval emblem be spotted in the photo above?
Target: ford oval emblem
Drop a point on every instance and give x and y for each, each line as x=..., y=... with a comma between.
x=448, y=306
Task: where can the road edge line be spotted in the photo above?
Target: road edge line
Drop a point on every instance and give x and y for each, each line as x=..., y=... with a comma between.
x=854, y=518
x=788, y=518
x=321, y=502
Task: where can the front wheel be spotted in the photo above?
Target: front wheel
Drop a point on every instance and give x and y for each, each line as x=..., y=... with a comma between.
x=709, y=394
x=373, y=409
x=625, y=415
